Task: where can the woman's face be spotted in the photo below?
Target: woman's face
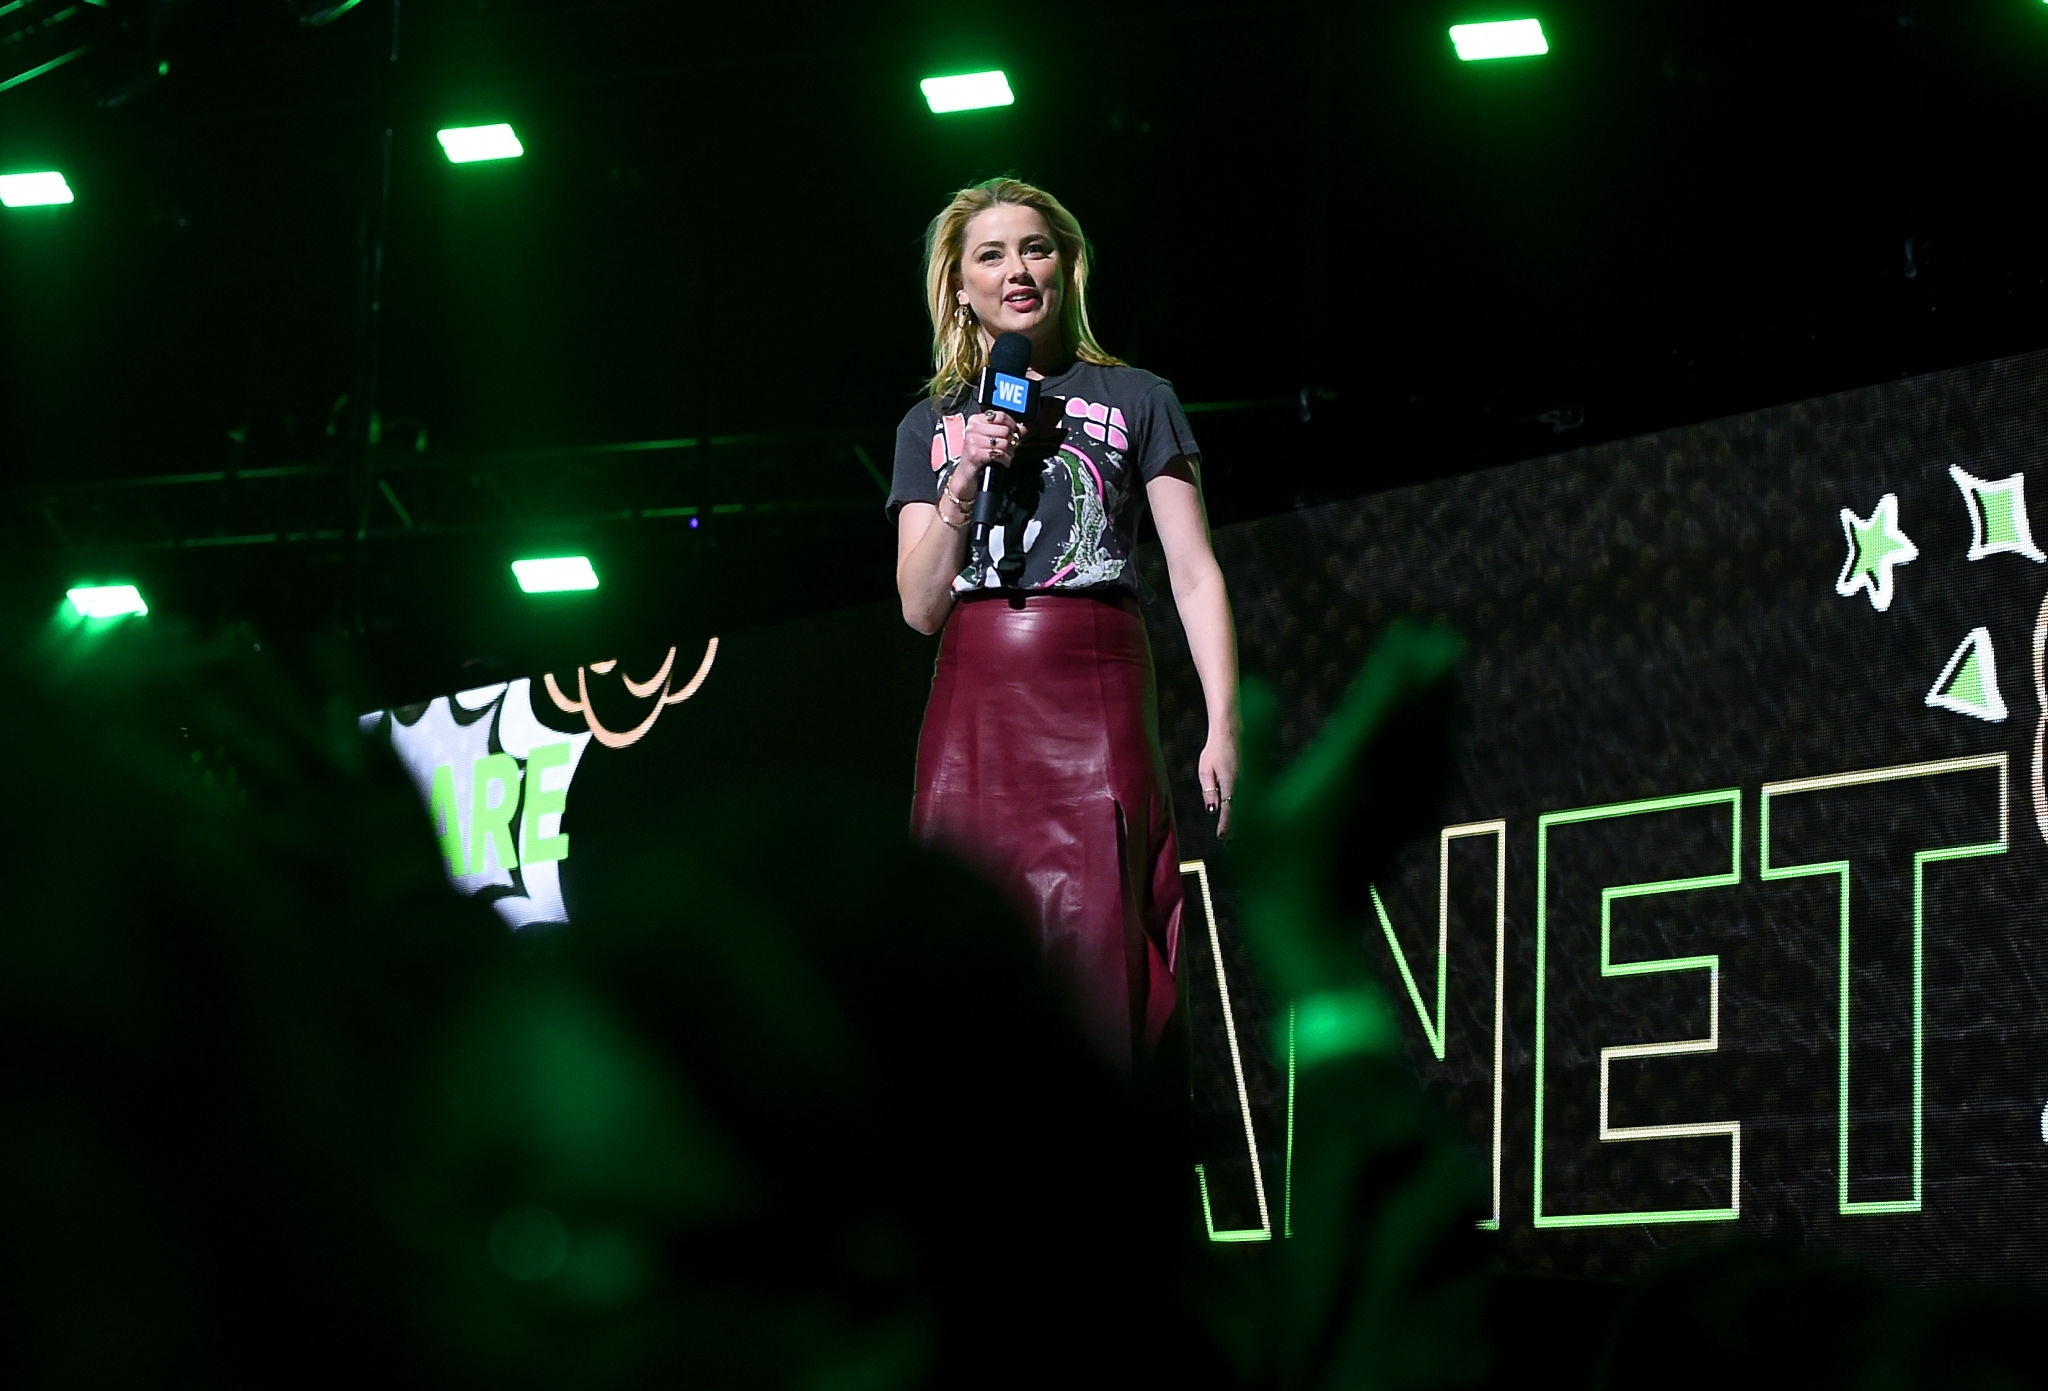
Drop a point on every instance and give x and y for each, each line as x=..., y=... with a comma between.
x=1011, y=277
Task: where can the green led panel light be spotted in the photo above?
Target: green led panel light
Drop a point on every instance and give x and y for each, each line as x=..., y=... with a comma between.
x=1506, y=38
x=555, y=574
x=967, y=92
x=34, y=190
x=470, y=144
x=107, y=600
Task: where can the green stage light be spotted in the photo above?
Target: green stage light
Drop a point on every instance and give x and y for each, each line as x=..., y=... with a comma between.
x=1507, y=38
x=33, y=190
x=966, y=92
x=39, y=69
x=469, y=144
x=556, y=573
x=107, y=600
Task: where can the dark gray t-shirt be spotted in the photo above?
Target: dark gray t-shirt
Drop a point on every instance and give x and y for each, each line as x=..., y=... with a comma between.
x=1069, y=503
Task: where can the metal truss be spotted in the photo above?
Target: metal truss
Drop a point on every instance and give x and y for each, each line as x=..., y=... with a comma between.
x=408, y=493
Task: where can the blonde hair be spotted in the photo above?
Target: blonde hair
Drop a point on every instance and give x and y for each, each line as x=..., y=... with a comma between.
x=956, y=346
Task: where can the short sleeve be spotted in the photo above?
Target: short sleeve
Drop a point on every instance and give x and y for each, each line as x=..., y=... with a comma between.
x=1163, y=429
x=919, y=461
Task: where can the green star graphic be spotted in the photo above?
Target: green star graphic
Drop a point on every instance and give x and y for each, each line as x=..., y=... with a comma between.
x=1876, y=547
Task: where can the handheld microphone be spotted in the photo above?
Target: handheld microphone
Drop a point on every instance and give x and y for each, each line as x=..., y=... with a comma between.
x=1005, y=386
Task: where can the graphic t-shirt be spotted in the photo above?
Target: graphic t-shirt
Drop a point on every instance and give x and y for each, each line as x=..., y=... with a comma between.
x=1069, y=502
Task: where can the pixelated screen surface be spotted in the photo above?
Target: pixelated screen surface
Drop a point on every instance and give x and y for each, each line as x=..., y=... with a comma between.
x=1756, y=707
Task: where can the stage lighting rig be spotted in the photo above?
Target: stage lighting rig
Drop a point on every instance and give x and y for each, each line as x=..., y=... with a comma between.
x=107, y=601
x=555, y=574
x=477, y=144
x=315, y=14
x=1505, y=38
x=972, y=91
x=40, y=36
x=41, y=189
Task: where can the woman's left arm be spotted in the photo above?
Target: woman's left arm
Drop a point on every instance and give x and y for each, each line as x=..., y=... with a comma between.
x=1175, y=497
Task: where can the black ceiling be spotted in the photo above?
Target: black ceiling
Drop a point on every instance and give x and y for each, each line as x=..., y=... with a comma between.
x=1376, y=264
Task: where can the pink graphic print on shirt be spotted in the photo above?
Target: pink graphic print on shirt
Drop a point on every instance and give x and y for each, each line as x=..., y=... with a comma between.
x=949, y=443
x=1101, y=423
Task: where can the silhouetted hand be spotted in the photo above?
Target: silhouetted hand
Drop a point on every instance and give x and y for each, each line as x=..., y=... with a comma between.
x=1385, y=1279
x=1310, y=838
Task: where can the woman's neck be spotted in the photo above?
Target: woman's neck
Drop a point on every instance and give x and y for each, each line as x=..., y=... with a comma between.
x=1048, y=358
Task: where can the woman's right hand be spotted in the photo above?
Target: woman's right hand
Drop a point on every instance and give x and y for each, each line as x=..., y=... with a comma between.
x=928, y=547
x=992, y=438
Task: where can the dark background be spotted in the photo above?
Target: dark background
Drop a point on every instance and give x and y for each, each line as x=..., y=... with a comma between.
x=1363, y=263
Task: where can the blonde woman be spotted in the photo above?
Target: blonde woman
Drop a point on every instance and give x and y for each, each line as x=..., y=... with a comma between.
x=1039, y=757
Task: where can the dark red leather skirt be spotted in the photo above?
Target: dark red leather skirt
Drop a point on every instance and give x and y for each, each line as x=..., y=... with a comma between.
x=1039, y=763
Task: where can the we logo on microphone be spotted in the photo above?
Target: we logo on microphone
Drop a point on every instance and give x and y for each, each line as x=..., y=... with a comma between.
x=1012, y=393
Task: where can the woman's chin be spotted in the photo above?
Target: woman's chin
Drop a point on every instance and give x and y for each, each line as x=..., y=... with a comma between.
x=1030, y=322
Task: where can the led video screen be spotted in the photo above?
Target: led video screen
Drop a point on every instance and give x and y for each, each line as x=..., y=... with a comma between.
x=1734, y=922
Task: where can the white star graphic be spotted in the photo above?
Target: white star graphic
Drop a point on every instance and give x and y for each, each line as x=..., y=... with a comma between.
x=1876, y=545
x=1998, y=515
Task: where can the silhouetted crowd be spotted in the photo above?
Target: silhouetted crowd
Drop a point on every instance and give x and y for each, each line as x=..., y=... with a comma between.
x=279, y=1107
